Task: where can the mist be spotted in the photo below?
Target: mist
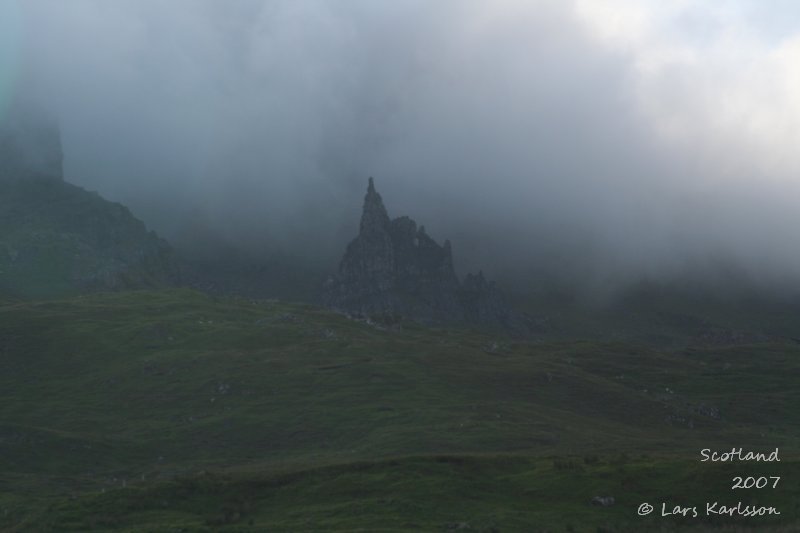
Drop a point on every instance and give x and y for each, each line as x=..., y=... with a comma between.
x=599, y=143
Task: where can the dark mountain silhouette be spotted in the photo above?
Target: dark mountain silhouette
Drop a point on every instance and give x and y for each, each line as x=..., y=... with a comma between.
x=393, y=268
x=56, y=238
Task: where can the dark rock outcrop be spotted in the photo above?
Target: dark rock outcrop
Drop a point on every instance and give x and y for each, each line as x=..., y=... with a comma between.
x=57, y=239
x=394, y=269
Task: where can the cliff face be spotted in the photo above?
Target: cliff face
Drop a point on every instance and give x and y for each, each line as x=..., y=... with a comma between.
x=394, y=268
x=56, y=238
x=30, y=144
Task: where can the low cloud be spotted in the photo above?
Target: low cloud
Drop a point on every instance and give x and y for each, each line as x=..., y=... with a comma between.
x=597, y=142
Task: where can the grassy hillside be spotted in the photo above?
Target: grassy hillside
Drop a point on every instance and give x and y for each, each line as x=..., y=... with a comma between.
x=175, y=411
x=668, y=315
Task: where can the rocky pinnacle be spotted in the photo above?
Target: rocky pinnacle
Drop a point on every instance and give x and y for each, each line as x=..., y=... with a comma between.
x=394, y=268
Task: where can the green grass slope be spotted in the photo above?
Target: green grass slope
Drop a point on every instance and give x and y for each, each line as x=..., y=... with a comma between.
x=176, y=411
x=669, y=315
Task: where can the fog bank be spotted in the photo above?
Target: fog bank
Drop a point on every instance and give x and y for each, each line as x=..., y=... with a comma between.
x=601, y=142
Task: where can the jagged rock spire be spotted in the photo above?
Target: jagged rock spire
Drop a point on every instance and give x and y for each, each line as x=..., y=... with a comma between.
x=374, y=217
x=394, y=268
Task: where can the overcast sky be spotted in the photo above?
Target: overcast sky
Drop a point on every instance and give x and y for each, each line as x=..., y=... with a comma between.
x=605, y=139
